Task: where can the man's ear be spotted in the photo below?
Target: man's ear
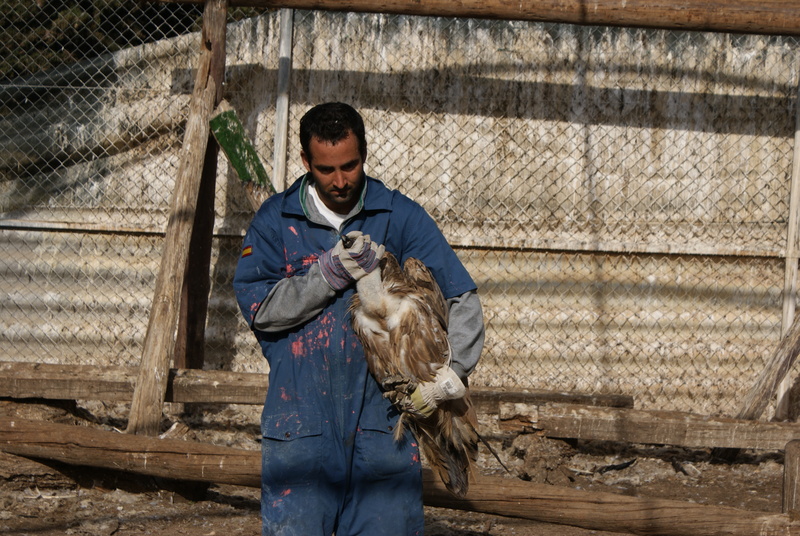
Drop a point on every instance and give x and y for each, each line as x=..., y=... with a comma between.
x=306, y=161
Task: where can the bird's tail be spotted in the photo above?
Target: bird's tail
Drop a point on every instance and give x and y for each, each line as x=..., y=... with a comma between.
x=450, y=443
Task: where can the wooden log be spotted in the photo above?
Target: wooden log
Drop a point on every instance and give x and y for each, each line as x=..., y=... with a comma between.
x=605, y=511
x=779, y=17
x=193, y=461
x=159, y=343
x=191, y=339
x=167, y=458
x=646, y=427
x=791, y=480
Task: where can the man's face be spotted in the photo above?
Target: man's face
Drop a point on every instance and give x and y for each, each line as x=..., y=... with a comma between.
x=338, y=172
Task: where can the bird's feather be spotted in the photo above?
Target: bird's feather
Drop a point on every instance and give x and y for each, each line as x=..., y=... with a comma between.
x=400, y=316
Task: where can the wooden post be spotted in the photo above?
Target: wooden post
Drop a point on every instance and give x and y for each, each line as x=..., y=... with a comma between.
x=778, y=17
x=190, y=341
x=159, y=344
x=792, y=254
x=791, y=480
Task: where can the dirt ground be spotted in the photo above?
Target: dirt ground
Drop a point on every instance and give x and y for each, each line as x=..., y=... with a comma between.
x=47, y=499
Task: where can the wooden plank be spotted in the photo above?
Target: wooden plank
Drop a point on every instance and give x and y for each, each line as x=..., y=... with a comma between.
x=159, y=344
x=67, y=382
x=779, y=17
x=490, y=400
x=647, y=427
x=117, y=384
x=187, y=460
x=90, y=382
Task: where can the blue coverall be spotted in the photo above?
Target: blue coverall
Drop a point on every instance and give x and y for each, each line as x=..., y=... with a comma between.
x=329, y=459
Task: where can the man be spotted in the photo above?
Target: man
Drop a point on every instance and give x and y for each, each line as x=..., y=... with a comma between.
x=330, y=463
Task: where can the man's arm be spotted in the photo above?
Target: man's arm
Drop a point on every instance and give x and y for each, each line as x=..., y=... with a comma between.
x=466, y=333
x=294, y=301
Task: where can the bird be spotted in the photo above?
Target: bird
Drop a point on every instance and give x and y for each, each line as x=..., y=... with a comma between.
x=400, y=316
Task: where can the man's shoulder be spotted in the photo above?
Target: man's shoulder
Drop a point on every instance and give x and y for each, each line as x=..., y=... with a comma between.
x=379, y=195
x=277, y=203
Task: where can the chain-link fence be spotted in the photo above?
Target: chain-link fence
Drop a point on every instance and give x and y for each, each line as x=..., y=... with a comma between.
x=621, y=196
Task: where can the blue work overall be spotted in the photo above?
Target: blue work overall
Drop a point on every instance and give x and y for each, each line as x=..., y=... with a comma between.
x=330, y=462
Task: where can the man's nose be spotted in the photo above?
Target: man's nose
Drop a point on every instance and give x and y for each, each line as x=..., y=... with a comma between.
x=339, y=179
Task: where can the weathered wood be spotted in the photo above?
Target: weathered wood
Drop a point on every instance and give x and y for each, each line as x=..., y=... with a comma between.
x=193, y=461
x=167, y=458
x=782, y=411
x=648, y=427
x=791, y=480
x=117, y=384
x=67, y=382
x=767, y=384
x=159, y=343
x=779, y=17
x=565, y=415
x=605, y=511
x=490, y=400
x=191, y=338
x=91, y=382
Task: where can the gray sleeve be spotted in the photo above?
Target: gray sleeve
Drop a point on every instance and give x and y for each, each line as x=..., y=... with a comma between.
x=466, y=332
x=293, y=301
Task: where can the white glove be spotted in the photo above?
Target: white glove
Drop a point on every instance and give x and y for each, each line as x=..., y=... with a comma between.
x=445, y=386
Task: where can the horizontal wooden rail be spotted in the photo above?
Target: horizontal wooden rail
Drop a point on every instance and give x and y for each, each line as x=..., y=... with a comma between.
x=116, y=384
x=187, y=460
x=777, y=17
x=564, y=415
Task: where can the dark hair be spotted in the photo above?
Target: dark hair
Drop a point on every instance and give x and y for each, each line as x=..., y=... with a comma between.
x=332, y=122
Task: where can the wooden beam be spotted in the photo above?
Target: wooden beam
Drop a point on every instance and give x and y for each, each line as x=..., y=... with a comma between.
x=159, y=340
x=113, y=384
x=167, y=458
x=776, y=17
x=159, y=343
x=564, y=415
x=187, y=460
x=647, y=427
x=190, y=342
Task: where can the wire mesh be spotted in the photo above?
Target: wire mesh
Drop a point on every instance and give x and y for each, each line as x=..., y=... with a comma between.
x=621, y=196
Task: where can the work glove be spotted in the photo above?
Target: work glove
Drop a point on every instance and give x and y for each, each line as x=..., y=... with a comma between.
x=350, y=259
x=422, y=399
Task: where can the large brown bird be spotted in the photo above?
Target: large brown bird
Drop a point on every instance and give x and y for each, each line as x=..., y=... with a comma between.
x=400, y=317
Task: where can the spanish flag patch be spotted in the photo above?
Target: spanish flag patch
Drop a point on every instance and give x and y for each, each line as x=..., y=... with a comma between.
x=246, y=252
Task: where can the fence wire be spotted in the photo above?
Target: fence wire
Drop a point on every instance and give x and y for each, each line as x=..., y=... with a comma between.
x=621, y=196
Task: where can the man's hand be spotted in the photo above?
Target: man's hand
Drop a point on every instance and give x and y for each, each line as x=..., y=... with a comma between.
x=424, y=398
x=344, y=264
